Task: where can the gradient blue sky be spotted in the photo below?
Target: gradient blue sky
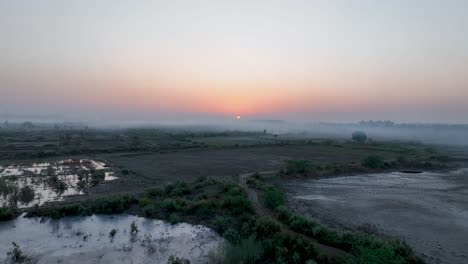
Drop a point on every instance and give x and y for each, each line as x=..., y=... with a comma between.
x=304, y=60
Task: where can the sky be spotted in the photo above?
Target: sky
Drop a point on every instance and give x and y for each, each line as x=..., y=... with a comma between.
x=330, y=60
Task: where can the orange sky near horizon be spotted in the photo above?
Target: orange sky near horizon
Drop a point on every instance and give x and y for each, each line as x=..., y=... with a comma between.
x=327, y=60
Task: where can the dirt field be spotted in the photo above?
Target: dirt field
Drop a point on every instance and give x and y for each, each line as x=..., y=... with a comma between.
x=228, y=163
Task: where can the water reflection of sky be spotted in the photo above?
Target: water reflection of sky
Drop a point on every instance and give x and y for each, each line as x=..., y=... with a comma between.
x=37, y=176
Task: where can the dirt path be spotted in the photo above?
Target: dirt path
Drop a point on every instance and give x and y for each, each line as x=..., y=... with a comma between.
x=333, y=254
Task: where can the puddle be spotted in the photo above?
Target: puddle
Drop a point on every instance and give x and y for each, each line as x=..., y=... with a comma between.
x=88, y=240
x=27, y=185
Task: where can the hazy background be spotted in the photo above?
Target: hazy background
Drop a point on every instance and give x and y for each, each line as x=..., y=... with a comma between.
x=208, y=61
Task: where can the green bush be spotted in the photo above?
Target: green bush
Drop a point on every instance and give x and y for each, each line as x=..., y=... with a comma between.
x=143, y=202
x=359, y=136
x=266, y=227
x=238, y=205
x=283, y=213
x=373, y=162
x=273, y=197
x=294, y=167
x=247, y=251
x=169, y=205
x=7, y=214
x=153, y=193
x=221, y=224
x=26, y=194
x=232, y=236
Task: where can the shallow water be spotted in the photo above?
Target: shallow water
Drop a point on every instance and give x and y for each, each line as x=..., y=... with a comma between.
x=37, y=176
x=428, y=210
x=88, y=240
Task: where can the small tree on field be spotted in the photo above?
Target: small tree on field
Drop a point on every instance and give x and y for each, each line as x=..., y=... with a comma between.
x=359, y=136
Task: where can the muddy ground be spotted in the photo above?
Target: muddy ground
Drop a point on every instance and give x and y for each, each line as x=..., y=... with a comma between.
x=429, y=210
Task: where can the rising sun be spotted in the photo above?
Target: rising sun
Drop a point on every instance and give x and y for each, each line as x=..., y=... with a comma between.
x=238, y=117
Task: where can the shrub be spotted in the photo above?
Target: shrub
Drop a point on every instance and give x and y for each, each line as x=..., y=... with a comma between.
x=221, y=224
x=373, y=162
x=283, y=213
x=238, y=205
x=26, y=194
x=204, y=207
x=7, y=214
x=174, y=219
x=177, y=260
x=181, y=188
x=298, y=167
x=266, y=227
x=143, y=202
x=6, y=187
x=232, y=236
x=273, y=197
x=153, y=193
x=247, y=251
x=169, y=205
x=359, y=136
x=97, y=177
x=113, y=205
x=133, y=228
x=113, y=232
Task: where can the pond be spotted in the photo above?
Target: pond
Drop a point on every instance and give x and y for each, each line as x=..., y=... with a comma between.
x=29, y=184
x=91, y=239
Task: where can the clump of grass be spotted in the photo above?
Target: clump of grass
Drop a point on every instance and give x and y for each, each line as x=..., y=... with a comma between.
x=26, y=194
x=7, y=214
x=6, y=187
x=113, y=232
x=247, y=251
x=272, y=197
x=133, y=228
x=177, y=260
x=16, y=254
x=373, y=162
x=57, y=184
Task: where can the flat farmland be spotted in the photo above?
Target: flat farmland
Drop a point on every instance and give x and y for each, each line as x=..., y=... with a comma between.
x=228, y=163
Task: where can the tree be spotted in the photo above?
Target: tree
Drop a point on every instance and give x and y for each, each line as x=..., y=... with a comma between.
x=359, y=136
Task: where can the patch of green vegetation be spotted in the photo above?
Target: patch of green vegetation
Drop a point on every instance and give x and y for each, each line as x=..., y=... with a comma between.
x=247, y=251
x=7, y=214
x=111, y=205
x=26, y=194
x=6, y=187
x=272, y=197
x=57, y=184
x=177, y=260
x=113, y=232
x=294, y=167
x=359, y=136
x=133, y=228
x=97, y=177
x=373, y=162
